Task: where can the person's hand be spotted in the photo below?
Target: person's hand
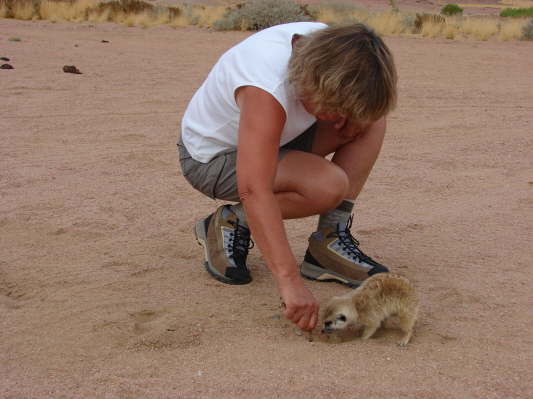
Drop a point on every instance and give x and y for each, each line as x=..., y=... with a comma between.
x=300, y=305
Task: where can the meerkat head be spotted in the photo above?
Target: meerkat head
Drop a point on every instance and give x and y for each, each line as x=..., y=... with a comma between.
x=339, y=313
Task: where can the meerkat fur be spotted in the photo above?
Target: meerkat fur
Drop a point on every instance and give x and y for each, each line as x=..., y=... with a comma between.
x=380, y=296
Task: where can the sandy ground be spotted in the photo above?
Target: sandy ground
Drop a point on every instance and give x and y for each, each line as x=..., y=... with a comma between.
x=102, y=292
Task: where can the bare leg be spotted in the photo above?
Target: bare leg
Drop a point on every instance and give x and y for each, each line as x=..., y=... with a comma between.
x=308, y=184
x=356, y=156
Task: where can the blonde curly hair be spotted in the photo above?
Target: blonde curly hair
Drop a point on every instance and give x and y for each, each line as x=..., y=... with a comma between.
x=346, y=70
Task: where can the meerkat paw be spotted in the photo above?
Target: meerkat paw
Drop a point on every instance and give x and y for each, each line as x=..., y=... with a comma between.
x=369, y=331
x=405, y=340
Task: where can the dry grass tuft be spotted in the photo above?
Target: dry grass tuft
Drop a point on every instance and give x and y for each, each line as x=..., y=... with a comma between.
x=450, y=31
x=432, y=29
x=65, y=11
x=338, y=13
x=23, y=10
x=480, y=28
x=209, y=15
x=4, y=12
x=511, y=30
x=388, y=23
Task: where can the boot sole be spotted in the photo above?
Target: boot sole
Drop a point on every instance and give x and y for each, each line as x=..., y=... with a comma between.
x=201, y=237
x=316, y=273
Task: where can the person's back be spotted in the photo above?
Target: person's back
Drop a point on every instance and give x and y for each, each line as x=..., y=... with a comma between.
x=211, y=121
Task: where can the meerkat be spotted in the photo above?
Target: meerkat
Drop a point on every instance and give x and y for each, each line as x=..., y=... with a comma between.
x=380, y=296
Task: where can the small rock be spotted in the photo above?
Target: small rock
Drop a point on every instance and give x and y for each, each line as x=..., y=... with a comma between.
x=105, y=41
x=6, y=66
x=71, y=69
x=59, y=231
x=4, y=59
x=75, y=45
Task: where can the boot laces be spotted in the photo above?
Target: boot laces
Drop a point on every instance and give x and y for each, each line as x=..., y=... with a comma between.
x=350, y=244
x=240, y=243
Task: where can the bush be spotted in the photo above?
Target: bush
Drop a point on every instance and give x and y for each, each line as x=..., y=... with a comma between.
x=527, y=30
x=261, y=14
x=408, y=22
x=19, y=9
x=451, y=9
x=428, y=20
x=125, y=6
x=517, y=12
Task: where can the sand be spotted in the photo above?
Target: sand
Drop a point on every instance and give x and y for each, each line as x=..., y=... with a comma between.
x=102, y=289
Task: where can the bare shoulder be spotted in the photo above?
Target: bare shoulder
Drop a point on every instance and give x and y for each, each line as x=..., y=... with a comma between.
x=261, y=115
x=256, y=96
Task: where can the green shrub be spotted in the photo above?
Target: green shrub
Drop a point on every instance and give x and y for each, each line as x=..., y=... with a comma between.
x=261, y=14
x=451, y=9
x=527, y=30
x=517, y=12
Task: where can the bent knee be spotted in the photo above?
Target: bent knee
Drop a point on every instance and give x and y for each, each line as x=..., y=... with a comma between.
x=332, y=187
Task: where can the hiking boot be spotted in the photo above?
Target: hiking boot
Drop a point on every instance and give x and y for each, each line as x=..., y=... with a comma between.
x=334, y=255
x=226, y=244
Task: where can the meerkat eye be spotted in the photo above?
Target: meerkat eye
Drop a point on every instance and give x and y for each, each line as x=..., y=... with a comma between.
x=341, y=318
x=328, y=323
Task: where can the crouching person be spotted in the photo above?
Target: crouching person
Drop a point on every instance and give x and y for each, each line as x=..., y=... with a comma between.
x=257, y=133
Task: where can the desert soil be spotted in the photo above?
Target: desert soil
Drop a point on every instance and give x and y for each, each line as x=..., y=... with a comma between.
x=102, y=289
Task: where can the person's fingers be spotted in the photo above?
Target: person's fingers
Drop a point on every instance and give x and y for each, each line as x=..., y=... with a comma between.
x=293, y=313
x=314, y=319
x=303, y=323
x=289, y=312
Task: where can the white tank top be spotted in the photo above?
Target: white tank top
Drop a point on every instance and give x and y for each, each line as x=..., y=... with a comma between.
x=210, y=124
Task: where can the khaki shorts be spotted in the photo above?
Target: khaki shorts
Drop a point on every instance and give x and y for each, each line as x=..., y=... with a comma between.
x=218, y=177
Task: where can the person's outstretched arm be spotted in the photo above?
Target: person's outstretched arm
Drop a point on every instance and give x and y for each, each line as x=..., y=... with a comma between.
x=261, y=123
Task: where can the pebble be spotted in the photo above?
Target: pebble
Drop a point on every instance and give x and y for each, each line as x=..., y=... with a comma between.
x=71, y=69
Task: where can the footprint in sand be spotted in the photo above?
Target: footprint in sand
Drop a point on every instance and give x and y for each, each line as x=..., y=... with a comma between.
x=142, y=319
x=157, y=330
x=10, y=292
